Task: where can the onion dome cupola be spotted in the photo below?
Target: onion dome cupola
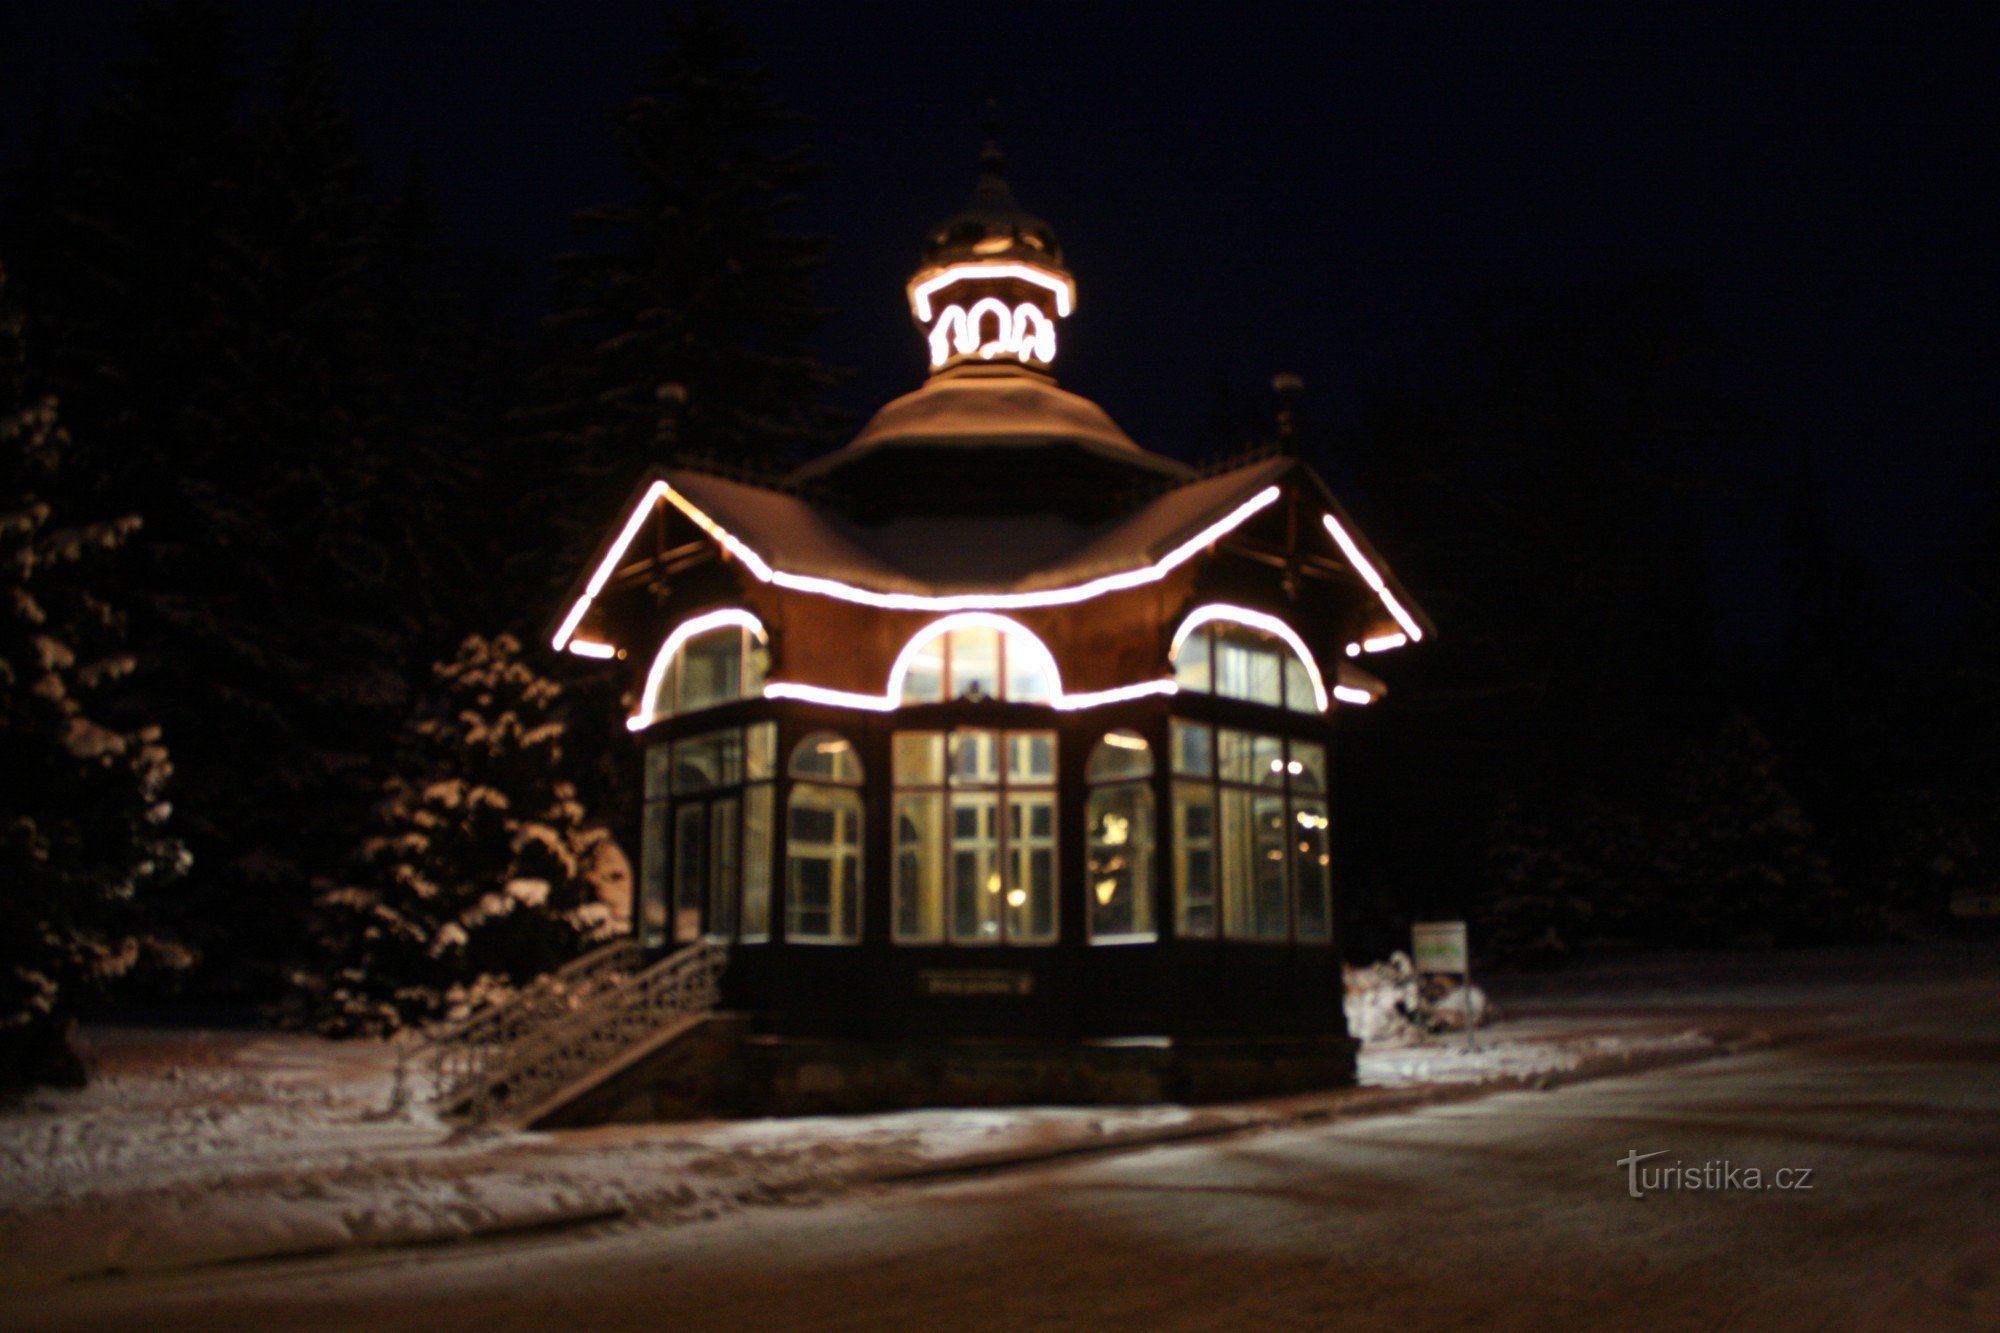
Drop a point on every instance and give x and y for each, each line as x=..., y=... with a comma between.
x=992, y=287
x=989, y=430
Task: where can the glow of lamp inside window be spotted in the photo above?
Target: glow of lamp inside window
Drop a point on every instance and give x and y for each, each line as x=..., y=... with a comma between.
x=1016, y=897
x=1126, y=742
x=1107, y=889
x=1117, y=829
x=993, y=883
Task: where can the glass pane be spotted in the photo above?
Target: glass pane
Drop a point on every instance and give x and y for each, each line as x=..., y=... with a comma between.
x=975, y=663
x=1236, y=756
x=1121, y=754
x=711, y=669
x=1249, y=669
x=658, y=767
x=826, y=756
x=975, y=758
x=1299, y=696
x=1312, y=869
x=702, y=763
x=1194, y=750
x=1027, y=671
x=760, y=751
x=1031, y=758
x=757, y=831
x=919, y=758
x=823, y=865
x=1308, y=767
x=653, y=874
x=1031, y=886
x=1267, y=760
x=975, y=868
x=722, y=870
x=690, y=832
x=1194, y=859
x=1269, y=891
x=924, y=682
x=919, y=869
x=1191, y=671
x=1119, y=877
x=756, y=666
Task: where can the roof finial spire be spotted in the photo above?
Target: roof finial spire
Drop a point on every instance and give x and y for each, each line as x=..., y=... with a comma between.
x=992, y=162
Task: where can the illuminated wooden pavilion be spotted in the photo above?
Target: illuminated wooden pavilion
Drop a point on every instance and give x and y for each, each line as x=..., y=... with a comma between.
x=993, y=731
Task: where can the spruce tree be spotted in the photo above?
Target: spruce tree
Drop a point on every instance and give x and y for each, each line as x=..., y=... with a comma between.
x=691, y=280
x=482, y=870
x=1738, y=860
x=84, y=837
x=223, y=293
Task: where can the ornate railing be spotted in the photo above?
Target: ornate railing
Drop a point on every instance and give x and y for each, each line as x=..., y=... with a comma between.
x=456, y=1056
x=515, y=1076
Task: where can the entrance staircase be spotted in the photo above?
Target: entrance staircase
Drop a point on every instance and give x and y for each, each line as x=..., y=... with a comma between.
x=522, y=1062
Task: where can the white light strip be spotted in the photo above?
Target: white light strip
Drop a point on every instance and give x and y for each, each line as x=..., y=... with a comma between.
x=1070, y=703
x=602, y=574
x=920, y=295
x=814, y=694
x=1012, y=630
x=591, y=648
x=1373, y=579
x=1347, y=694
x=1381, y=643
x=649, y=701
x=903, y=601
x=1258, y=620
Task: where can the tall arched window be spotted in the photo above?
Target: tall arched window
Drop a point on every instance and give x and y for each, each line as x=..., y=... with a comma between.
x=713, y=659
x=1118, y=880
x=823, y=827
x=1243, y=654
x=975, y=655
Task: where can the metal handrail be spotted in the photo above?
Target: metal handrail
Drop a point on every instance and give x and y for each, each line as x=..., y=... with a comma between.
x=454, y=1055
x=489, y=1079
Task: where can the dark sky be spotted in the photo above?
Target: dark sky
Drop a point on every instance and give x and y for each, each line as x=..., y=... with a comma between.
x=1244, y=187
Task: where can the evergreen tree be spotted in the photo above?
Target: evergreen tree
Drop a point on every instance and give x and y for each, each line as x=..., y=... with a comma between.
x=1738, y=860
x=692, y=280
x=482, y=871
x=229, y=298
x=84, y=837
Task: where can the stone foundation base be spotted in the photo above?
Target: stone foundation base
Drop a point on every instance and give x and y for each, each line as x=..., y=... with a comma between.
x=790, y=1076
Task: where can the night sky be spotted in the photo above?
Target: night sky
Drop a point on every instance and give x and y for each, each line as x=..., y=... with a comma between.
x=1247, y=188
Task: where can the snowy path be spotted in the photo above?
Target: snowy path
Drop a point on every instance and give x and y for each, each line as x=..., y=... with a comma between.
x=1506, y=1212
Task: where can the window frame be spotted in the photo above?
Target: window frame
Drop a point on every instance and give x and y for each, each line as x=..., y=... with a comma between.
x=1210, y=787
x=844, y=792
x=1123, y=780
x=1009, y=799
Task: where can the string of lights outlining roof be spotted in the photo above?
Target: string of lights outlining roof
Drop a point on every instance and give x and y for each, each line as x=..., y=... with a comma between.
x=764, y=572
x=1374, y=580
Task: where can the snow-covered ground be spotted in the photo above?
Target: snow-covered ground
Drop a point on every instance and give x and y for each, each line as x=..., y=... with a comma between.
x=192, y=1148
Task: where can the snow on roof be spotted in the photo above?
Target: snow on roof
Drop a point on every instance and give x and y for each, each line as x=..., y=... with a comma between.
x=961, y=554
x=979, y=408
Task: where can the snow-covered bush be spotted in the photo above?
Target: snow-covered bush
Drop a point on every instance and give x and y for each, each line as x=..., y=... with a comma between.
x=482, y=871
x=83, y=834
x=1391, y=1001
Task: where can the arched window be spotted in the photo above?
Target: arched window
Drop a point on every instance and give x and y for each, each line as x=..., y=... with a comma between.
x=713, y=659
x=1242, y=654
x=1119, y=877
x=975, y=655
x=823, y=842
